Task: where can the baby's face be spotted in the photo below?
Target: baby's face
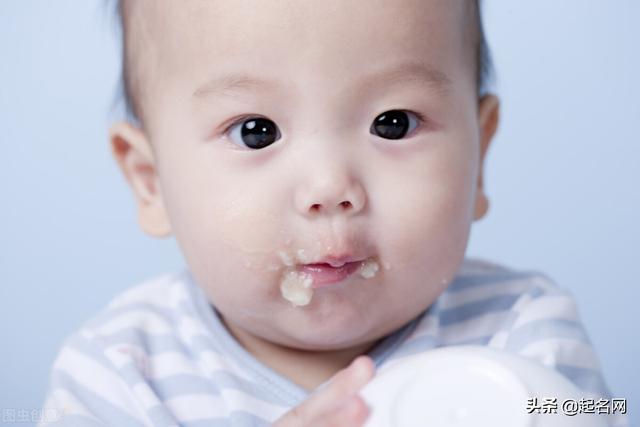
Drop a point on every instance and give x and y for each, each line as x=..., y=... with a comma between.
x=342, y=128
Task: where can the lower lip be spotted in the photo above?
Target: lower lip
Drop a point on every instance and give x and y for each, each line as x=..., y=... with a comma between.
x=325, y=275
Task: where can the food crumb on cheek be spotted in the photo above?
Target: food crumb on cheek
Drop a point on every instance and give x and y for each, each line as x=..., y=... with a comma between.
x=369, y=269
x=296, y=288
x=302, y=256
x=286, y=259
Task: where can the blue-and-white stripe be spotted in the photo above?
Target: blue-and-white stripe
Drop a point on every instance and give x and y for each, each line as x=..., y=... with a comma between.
x=158, y=354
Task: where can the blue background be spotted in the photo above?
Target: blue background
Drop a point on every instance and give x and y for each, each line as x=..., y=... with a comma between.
x=563, y=175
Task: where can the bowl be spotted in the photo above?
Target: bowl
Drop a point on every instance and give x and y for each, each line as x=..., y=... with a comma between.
x=471, y=386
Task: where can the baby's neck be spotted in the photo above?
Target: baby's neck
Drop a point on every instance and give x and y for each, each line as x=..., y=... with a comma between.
x=308, y=369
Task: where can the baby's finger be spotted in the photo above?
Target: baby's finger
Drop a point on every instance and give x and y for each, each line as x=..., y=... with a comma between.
x=339, y=392
x=343, y=385
x=352, y=413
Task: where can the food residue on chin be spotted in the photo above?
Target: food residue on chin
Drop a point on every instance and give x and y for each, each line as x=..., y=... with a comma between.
x=296, y=288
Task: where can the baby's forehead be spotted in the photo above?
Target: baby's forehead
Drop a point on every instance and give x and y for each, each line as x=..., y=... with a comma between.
x=188, y=33
x=200, y=16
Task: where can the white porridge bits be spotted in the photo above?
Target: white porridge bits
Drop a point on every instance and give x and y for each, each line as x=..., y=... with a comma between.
x=296, y=288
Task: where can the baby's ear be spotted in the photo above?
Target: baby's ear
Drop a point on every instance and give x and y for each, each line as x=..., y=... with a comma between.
x=488, y=117
x=133, y=152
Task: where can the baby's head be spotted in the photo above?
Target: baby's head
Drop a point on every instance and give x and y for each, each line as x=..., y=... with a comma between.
x=274, y=134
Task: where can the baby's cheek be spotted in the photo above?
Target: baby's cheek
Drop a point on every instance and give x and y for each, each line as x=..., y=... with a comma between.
x=224, y=245
x=426, y=238
x=231, y=272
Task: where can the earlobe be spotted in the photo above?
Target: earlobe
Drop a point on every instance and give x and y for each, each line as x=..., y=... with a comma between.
x=488, y=118
x=133, y=153
x=481, y=207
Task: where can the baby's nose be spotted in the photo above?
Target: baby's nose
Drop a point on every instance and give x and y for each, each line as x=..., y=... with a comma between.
x=345, y=205
x=333, y=196
x=330, y=178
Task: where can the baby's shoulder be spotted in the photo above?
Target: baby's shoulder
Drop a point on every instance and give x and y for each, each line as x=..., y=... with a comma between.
x=486, y=298
x=484, y=278
x=152, y=305
x=141, y=356
x=152, y=316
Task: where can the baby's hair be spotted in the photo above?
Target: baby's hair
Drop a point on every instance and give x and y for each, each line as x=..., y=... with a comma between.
x=129, y=87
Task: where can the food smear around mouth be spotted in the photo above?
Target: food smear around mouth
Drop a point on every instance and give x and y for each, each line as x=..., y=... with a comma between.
x=286, y=259
x=369, y=268
x=302, y=256
x=296, y=288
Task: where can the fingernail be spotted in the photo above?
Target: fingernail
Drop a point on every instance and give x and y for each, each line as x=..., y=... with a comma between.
x=355, y=364
x=360, y=368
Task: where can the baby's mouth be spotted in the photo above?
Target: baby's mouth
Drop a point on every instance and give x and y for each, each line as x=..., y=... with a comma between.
x=324, y=274
x=299, y=280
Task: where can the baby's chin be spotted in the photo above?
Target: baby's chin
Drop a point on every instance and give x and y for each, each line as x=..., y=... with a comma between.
x=315, y=342
x=333, y=334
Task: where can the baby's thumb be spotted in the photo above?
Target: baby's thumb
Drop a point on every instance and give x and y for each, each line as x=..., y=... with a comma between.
x=335, y=404
x=345, y=383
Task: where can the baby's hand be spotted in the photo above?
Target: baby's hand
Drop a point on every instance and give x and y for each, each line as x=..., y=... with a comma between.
x=337, y=404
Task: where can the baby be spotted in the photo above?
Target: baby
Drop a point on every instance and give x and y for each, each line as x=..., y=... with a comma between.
x=320, y=164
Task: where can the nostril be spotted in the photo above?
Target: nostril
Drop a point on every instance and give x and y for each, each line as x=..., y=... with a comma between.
x=346, y=204
x=315, y=207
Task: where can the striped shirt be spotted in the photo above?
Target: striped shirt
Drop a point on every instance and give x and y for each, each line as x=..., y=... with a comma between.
x=158, y=354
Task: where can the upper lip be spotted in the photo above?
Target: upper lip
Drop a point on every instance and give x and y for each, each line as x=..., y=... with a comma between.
x=337, y=260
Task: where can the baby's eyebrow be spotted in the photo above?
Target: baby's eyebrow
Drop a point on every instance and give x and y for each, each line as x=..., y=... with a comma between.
x=231, y=83
x=234, y=82
x=409, y=71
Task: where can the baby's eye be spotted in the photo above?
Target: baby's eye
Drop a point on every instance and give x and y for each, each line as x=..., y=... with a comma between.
x=255, y=133
x=394, y=124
